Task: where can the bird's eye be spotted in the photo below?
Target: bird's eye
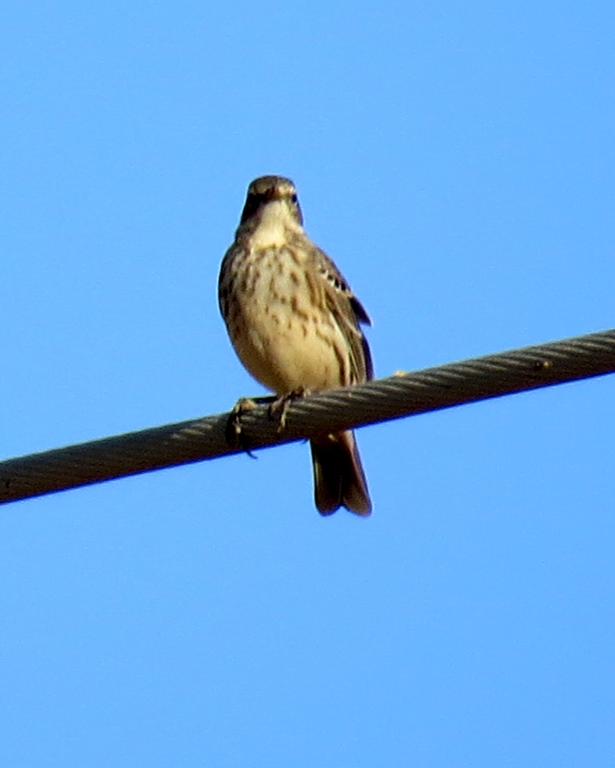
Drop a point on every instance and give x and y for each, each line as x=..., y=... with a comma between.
x=294, y=199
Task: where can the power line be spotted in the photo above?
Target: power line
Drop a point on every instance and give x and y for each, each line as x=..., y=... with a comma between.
x=382, y=400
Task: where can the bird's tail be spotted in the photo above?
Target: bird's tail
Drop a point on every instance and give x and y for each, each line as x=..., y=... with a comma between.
x=339, y=480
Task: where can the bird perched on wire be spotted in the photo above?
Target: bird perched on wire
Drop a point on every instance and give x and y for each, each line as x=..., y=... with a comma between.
x=295, y=325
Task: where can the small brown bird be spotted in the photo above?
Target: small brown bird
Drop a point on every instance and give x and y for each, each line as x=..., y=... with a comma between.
x=295, y=325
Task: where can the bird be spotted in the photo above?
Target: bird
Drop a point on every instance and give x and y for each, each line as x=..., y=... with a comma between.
x=295, y=325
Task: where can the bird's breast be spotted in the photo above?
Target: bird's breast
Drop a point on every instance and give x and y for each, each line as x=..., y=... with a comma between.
x=280, y=324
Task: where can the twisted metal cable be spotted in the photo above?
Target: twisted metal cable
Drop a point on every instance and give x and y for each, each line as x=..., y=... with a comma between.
x=382, y=400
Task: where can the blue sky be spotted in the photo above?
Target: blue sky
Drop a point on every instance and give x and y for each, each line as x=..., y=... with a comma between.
x=457, y=161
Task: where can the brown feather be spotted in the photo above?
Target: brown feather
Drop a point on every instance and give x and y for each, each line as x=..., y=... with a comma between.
x=339, y=480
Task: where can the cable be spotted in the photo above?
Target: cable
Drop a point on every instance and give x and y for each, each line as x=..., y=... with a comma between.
x=382, y=400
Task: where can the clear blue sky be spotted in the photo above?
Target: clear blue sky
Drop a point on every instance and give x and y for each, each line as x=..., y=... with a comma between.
x=457, y=161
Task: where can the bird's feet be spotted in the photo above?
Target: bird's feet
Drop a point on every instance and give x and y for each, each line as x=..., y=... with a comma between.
x=279, y=407
x=234, y=430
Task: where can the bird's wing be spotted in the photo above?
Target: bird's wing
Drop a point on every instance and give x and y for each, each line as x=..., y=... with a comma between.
x=349, y=314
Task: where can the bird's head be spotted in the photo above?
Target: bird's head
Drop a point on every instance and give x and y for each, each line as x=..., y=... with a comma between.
x=272, y=199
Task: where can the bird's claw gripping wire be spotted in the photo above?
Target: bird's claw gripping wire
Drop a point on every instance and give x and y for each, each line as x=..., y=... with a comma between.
x=279, y=407
x=234, y=429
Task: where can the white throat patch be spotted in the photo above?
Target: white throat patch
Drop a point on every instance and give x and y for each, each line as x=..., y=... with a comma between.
x=275, y=222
